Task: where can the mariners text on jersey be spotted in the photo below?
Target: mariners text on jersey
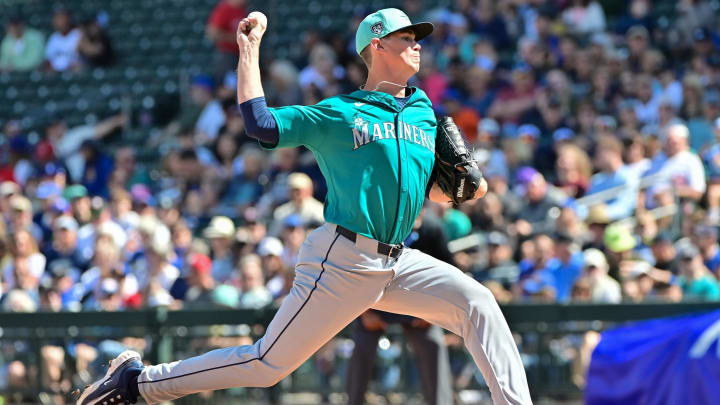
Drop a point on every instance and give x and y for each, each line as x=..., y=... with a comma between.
x=365, y=132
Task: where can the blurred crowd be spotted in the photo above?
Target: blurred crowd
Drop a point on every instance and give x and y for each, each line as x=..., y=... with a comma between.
x=597, y=134
x=71, y=46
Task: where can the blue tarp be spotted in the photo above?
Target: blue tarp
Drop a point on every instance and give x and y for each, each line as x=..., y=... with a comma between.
x=673, y=361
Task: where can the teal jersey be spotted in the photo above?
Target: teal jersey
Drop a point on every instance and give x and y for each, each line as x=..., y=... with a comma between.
x=377, y=158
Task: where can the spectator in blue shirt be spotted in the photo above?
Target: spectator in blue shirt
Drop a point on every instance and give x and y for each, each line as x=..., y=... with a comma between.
x=608, y=157
x=537, y=281
x=707, y=240
x=566, y=267
x=711, y=160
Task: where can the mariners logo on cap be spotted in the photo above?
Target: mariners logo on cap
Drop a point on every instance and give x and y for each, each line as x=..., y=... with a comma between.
x=377, y=28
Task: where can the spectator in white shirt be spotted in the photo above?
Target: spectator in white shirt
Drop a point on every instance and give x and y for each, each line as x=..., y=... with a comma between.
x=302, y=203
x=679, y=165
x=61, y=49
x=584, y=17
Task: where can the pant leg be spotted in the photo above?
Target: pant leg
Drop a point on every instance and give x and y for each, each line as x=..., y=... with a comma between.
x=334, y=284
x=442, y=294
x=431, y=357
x=361, y=363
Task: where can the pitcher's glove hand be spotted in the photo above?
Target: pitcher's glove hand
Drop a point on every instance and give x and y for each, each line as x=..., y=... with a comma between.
x=457, y=174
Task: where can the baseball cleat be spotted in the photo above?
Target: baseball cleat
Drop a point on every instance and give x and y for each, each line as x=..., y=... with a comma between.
x=114, y=387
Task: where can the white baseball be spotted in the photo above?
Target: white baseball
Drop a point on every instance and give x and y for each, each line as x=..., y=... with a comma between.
x=260, y=18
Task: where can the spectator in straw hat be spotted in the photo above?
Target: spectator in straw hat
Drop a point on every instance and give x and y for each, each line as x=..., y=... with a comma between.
x=302, y=203
x=21, y=216
x=220, y=234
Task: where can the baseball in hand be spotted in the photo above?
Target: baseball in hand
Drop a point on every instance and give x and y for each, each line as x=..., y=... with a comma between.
x=252, y=27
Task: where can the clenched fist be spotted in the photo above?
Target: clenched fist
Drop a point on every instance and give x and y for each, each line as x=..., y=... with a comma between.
x=251, y=29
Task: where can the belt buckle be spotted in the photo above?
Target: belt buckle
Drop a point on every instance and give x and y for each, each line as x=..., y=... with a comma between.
x=397, y=248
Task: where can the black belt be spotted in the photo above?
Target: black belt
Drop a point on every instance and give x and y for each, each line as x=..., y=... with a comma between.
x=382, y=248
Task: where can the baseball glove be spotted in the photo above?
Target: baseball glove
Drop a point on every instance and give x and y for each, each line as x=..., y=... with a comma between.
x=457, y=174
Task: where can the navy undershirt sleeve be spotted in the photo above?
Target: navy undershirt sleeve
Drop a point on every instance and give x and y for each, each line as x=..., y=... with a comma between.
x=259, y=123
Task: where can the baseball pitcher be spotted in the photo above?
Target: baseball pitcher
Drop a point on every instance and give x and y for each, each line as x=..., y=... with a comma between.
x=377, y=148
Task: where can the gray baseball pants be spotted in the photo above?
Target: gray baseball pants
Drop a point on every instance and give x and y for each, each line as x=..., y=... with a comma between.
x=336, y=280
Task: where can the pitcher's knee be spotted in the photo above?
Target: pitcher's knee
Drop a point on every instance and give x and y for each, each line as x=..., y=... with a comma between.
x=480, y=296
x=481, y=304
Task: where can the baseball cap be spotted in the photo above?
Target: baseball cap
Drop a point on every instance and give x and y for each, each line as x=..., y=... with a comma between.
x=141, y=193
x=148, y=224
x=204, y=81
x=20, y=203
x=8, y=188
x=528, y=130
x=595, y=258
x=109, y=286
x=44, y=152
x=490, y=126
x=161, y=242
x=225, y=296
x=293, y=221
x=270, y=246
x=457, y=224
x=52, y=168
x=74, y=192
x=525, y=174
x=598, y=214
x=383, y=23
x=663, y=237
x=563, y=134
x=497, y=239
x=299, y=180
x=637, y=30
x=688, y=251
x=200, y=263
x=618, y=238
x=220, y=227
x=66, y=222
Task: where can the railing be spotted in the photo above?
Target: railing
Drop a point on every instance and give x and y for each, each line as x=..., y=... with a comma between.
x=539, y=326
x=475, y=239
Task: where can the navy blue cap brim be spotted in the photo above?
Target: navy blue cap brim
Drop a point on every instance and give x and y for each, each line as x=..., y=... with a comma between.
x=421, y=30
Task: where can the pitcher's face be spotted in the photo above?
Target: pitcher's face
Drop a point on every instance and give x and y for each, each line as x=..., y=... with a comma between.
x=403, y=50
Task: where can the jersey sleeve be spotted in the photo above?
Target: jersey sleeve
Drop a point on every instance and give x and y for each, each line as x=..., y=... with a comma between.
x=302, y=125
